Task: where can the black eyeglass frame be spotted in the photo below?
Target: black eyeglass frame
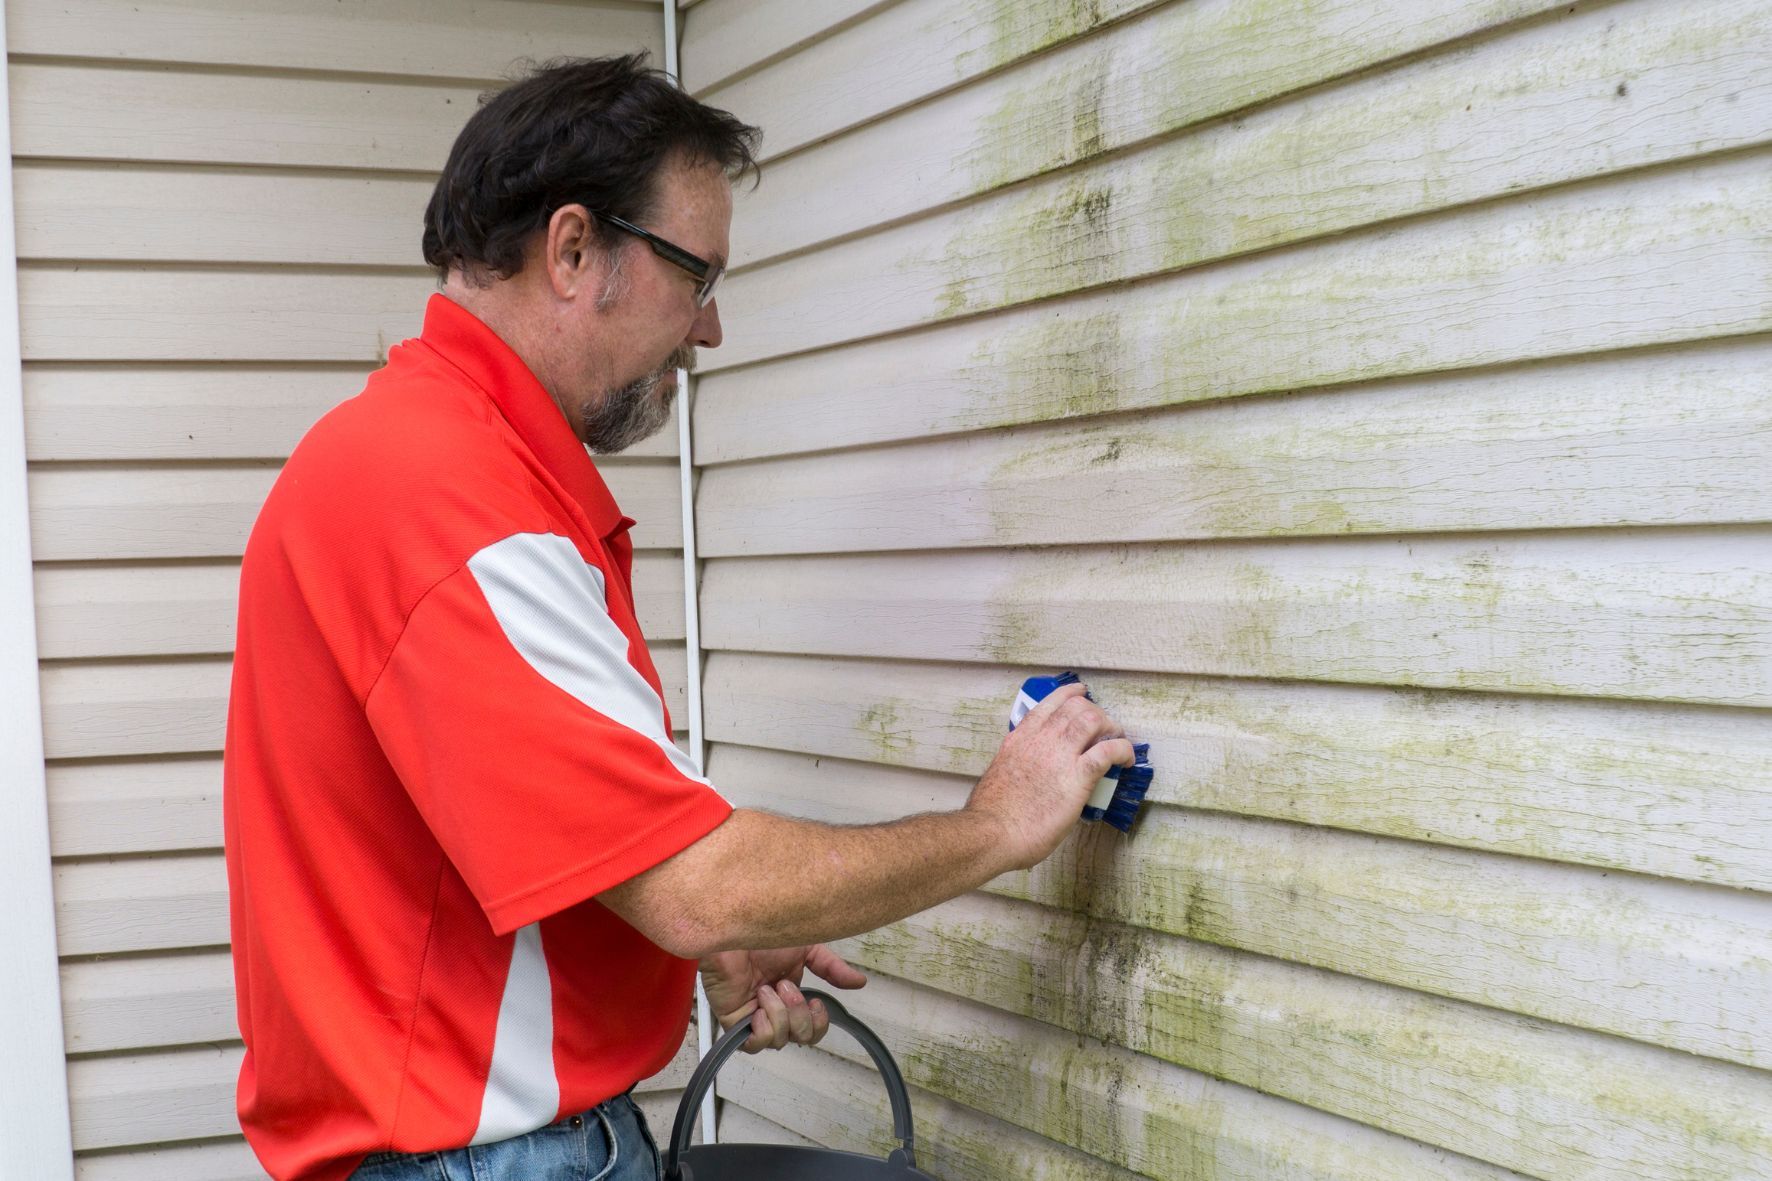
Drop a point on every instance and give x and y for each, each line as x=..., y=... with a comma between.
x=708, y=273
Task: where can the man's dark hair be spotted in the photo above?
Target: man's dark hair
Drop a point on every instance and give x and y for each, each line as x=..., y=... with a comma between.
x=594, y=131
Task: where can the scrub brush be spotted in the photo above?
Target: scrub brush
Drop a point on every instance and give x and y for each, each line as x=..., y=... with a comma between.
x=1117, y=797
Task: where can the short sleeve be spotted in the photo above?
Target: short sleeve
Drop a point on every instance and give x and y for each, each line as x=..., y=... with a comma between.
x=533, y=748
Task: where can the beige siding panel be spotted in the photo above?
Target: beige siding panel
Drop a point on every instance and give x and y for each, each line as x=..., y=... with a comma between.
x=135, y=807
x=905, y=52
x=199, y=412
x=1675, y=791
x=843, y=1106
x=141, y=113
x=1682, y=437
x=1543, y=1099
x=1679, y=254
x=208, y=412
x=99, y=709
x=739, y=1125
x=1183, y=203
x=459, y=38
x=140, y=1099
x=148, y=314
x=87, y=611
x=1178, y=66
x=135, y=213
x=141, y=904
x=161, y=707
x=1129, y=1109
x=154, y=1001
x=145, y=512
x=723, y=37
x=1610, y=952
x=200, y=512
x=1682, y=616
x=222, y=1160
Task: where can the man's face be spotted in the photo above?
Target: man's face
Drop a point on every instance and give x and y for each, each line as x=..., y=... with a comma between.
x=646, y=326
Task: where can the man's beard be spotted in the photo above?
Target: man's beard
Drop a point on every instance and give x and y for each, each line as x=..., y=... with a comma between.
x=635, y=411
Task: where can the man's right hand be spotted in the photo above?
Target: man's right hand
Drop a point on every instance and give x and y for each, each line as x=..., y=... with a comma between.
x=1043, y=773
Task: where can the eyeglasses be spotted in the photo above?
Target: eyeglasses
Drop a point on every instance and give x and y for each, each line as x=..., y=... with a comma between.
x=709, y=273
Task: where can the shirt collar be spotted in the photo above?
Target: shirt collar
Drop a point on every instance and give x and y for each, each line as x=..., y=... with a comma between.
x=464, y=340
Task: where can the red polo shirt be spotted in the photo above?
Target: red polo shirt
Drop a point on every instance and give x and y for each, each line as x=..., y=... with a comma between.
x=445, y=737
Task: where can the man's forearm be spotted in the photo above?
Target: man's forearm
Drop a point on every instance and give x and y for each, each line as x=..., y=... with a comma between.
x=761, y=880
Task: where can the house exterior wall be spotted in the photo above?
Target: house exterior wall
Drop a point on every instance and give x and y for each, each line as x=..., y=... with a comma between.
x=218, y=208
x=1372, y=399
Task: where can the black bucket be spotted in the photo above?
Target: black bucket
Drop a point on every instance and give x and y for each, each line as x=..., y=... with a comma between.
x=784, y=1162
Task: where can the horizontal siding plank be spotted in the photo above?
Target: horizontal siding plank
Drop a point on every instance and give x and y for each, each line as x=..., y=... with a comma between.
x=1402, y=144
x=1615, y=953
x=208, y=412
x=452, y=38
x=141, y=904
x=1674, y=791
x=1546, y=1100
x=1130, y=1109
x=81, y=111
x=154, y=1098
x=723, y=37
x=1682, y=437
x=135, y=807
x=80, y=513
x=148, y=314
x=1180, y=65
x=107, y=710
x=219, y=1160
x=1680, y=254
x=86, y=412
x=122, y=213
x=152, y=1001
x=905, y=52
x=1677, y=616
x=739, y=1125
x=97, y=709
x=86, y=611
x=843, y=1106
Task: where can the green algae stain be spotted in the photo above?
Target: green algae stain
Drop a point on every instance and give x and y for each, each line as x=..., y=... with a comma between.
x=886, y=734
x=1013, y=29
x=1044, y=243
x=1062, y=366
x=1057, y=121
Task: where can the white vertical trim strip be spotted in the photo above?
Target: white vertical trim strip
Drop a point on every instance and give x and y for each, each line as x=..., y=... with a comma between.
x=704, y=1019
x=35, y=1140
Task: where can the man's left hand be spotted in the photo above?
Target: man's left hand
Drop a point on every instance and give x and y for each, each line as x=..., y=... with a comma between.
x=739, y=983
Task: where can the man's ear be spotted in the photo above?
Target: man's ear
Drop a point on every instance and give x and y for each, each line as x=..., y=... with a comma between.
x=569, y=251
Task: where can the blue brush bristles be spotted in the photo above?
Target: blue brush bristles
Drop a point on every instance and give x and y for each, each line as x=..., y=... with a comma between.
x=1117, y=798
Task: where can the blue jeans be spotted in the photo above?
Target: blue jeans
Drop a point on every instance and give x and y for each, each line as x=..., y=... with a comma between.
x=610, y=1142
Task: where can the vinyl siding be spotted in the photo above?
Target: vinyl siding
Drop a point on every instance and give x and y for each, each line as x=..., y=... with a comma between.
x=218, y=209
x=1371, y=399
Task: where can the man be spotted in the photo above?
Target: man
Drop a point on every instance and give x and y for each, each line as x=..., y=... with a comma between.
x=470, y=876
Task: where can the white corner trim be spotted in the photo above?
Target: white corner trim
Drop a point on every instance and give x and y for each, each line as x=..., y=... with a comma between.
x=35, y=1140
x=704, y=1020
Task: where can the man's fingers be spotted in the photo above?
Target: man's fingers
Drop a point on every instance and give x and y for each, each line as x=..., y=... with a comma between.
x=830, y=966
x=761, y=1032
x=801, y=1022
x=1049, y=704
x=1110, y=753
x=777, y=1011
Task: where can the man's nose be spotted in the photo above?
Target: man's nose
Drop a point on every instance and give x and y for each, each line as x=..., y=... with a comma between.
x=705, y=332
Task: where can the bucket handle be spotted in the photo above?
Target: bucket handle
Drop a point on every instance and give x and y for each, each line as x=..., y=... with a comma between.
x=703, y=1078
